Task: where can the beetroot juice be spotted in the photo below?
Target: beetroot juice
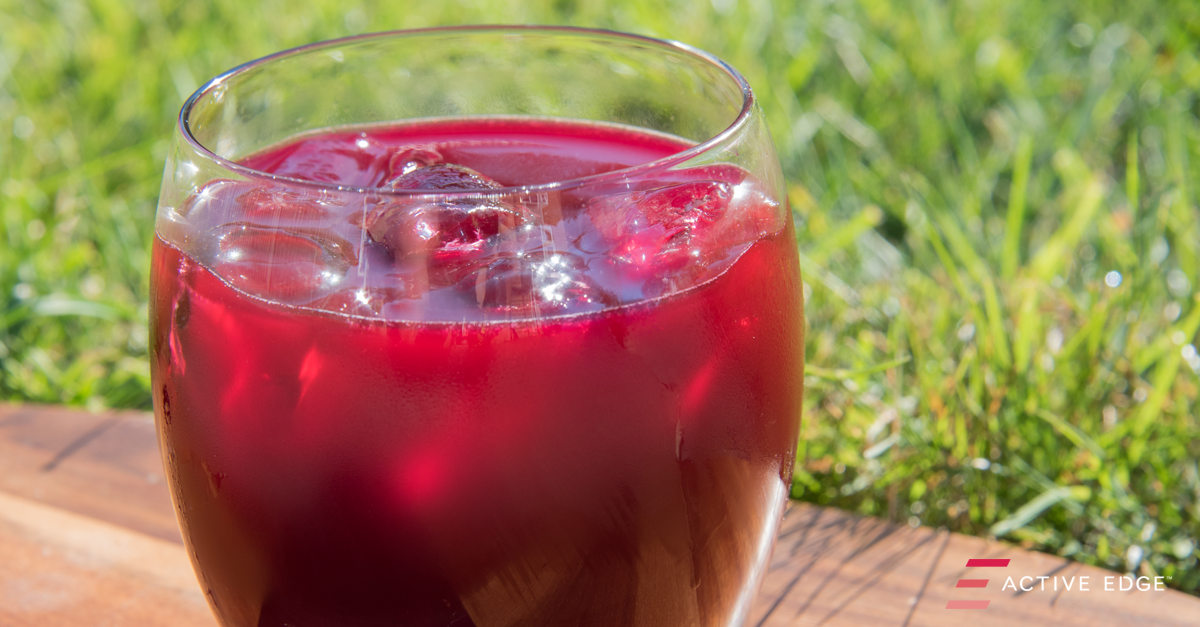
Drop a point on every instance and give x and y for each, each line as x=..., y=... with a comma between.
x=554, y=408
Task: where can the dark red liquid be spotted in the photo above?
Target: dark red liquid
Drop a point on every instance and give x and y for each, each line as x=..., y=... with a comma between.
x=449, y=455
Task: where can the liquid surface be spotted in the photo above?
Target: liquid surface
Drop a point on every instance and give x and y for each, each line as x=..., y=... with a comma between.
x=481, y=255
x=621, y=462
x=510, y=151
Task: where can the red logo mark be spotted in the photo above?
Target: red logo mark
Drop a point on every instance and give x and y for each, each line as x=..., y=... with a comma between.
x=976, y=583
x=987, y=563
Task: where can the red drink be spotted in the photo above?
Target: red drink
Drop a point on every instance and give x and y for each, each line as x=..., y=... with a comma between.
x=587, y=418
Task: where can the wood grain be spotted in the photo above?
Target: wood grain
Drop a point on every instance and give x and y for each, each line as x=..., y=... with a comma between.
x=104, y=466
x=61, y=568
x=88, y=537
x=834, y=569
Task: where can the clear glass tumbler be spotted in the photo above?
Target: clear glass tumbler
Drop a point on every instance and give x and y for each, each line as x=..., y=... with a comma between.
x=477, y=326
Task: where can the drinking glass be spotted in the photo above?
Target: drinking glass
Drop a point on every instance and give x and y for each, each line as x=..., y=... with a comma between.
x=549, y=383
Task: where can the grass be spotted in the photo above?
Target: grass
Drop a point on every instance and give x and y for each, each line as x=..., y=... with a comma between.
x=997, y=204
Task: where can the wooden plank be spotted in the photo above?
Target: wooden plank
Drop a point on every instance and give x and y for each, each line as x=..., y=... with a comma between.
x=834, y=569
x=88, y=537
x=59, y=568
x=105, y=466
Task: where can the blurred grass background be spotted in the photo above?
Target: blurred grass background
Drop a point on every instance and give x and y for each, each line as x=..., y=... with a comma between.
x=997, y=202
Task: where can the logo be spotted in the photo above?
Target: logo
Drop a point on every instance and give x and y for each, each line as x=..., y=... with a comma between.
x=1047, y=583
x=975, y=562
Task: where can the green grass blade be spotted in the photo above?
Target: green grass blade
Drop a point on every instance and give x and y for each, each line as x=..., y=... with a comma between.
x=1049, y=259
x=1034, y=508
x=1010, y=258
x=1182, y=224
x=1071, y=432
x=1132, y=176
x=61, y=306
x=952, y=270
x=1028, y=325
x=839, y=374
x=845, y=235
x=1164, y=379
x=979, y=271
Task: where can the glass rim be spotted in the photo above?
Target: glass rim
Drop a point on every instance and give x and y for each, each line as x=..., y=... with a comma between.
x=663, y=163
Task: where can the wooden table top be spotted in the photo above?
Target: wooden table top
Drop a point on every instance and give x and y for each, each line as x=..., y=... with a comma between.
x=88, y=537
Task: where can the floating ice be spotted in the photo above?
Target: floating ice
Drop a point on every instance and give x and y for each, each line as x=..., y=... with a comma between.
x=289, y=266
x=452, y=235
x=526, y=283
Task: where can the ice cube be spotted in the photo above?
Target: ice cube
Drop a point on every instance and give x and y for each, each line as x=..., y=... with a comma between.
x=364, y=301
x=213, y=197
x=718, y=172
x=453, y=236
x=450, y=238
x=685, y=208
x=537, y=282
x=676, y=235
x=407, y=159
x=290, y=266
x=274, y=205
x=724, y=172
x=560, y=282
x=657, y=227
x=439, y=176
x=223, y=201
x=424, y=227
